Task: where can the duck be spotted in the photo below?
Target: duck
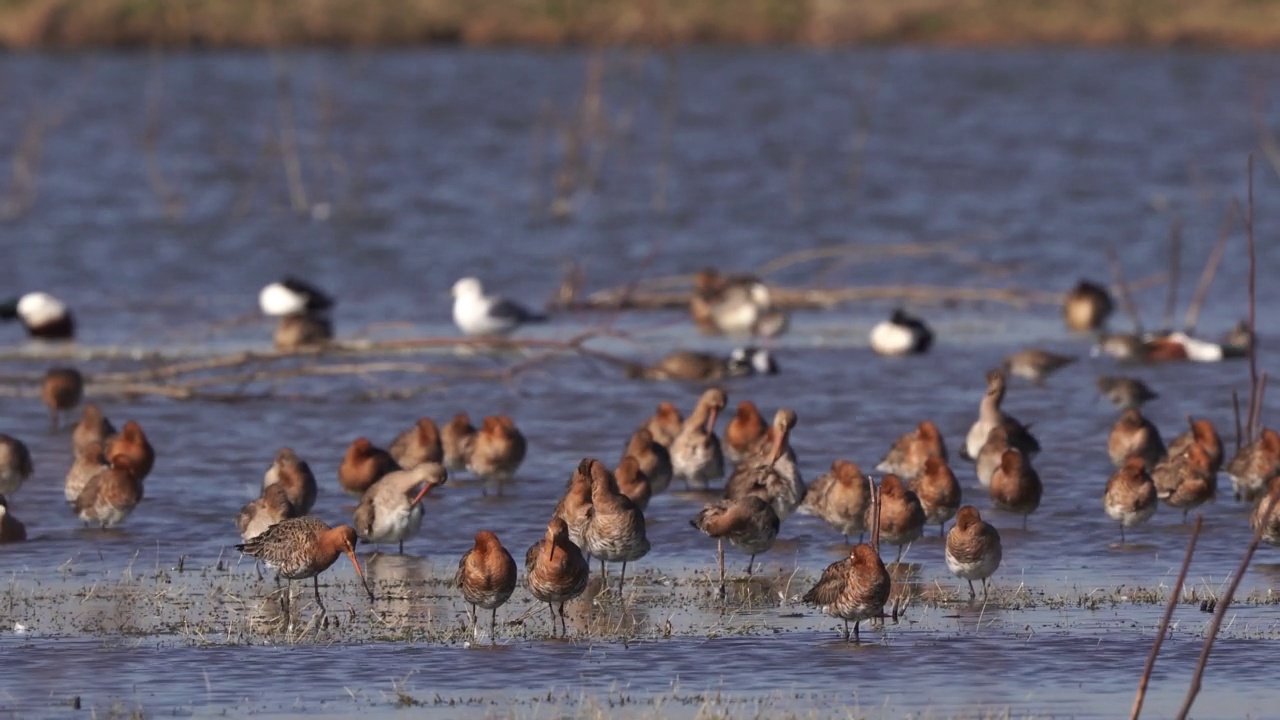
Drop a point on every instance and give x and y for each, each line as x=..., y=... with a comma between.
x=901, y=334
x=15, y=464
x=695, y=453
x=734, y=305
x=751, y=360
x=1015, y=485
x=1125, y=392
x=1035, y=364
x=654, y=460
x=1133, y=434
x=840, y=498
x=688, y=365
x=292, y=296
x=907, y=455
x=457, y=438
x=498, y=450
x=1087, y=307
x=773, y=477
x=479, y=315
x=1126, y=347
x=1176, y=346
x=390, y=511
x=417, y=445
x=301, y=332
x=61, y=390
x=44, y=316
x=1254, y=466
x=990, y=415
x=1130, y=495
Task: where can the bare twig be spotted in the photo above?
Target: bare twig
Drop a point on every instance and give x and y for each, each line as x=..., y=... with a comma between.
x=1223, y=602
x=1174, y=594
x=875, y=514
x=1235, y=406
x=289, y=138
x=1210, y=270
x=1253, y=345
x=1122, y=286
x=1175, y=272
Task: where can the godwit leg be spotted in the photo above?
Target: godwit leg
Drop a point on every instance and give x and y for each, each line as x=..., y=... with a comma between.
x=401, y=547
x=942, y=530
x=1024, y=521
x=622, y=579
x=552, y=608
x=973, y=594
x=1121, y=533
x=846, y=631
x=604, y=576
x=984, y=589
x=720, y=553
x=475, y=630
x=898, y=560
x=751, y=564
x=861, y=536
x=856, y=638
x=564, y=628
x=53, y=420
x=315, y=580
x=493, y=626
x=846, y=539
x=1184, y=513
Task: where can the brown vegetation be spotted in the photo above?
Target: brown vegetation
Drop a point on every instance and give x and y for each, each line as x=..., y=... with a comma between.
x=265, y=23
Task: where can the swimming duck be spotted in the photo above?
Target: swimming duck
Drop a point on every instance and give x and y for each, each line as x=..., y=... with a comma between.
x=291, y=296
x=734, y=305
x=901, y=334
x=43, y=315
x=1035, y=364
x=480, y=315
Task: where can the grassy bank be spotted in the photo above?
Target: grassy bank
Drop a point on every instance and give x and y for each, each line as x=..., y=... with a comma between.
x=266, y=23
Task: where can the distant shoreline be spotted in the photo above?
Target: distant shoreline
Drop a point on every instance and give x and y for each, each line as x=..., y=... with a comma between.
x=70, y=24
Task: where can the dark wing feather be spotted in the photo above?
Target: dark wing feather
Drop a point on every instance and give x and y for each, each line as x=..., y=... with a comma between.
x=316, y=298
x=827, y=591
x=505, y=309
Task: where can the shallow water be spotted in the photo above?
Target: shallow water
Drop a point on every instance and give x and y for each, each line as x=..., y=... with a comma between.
x=432, y=165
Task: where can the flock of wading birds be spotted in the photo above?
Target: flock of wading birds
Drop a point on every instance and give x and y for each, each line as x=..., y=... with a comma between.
x=601, y=514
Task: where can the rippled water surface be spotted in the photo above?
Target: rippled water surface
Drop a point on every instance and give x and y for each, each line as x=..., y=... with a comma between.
x=160, y=204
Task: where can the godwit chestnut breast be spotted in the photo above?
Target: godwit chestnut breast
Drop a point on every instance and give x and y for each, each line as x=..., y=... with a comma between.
x=938, y=491
x=695, y=452
x=93, y=427
x=364, y=465
x=294, y=474
x=841, y=498
x=665, y=424
x=772, y=477
x=973, y=549
x=417, y=445
x=749, y=524
x=901, y=515
x=616, y=531
x=1135, y=435
x=555, y=570
x=575, y=507
x=456, y=440
x=1203, y=433
x=133, y=444
x=109, y=496
x=1130, y=497
x=1015, y=485
x=1254, y=466
x=302, y=548
x=855, y=588
x=907, y=455
x=498, y=450
x=487, y=577
x=633, y=483
x=745, y=431
x=62, y=389
x=655, y=461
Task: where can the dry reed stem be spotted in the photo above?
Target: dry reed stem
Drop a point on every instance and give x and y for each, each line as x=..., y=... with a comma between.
x=1174, y=594
x=1122, y=285
x=1254, y=411
x=1210, y=270
x=1175, y=272
x=1223, y=603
